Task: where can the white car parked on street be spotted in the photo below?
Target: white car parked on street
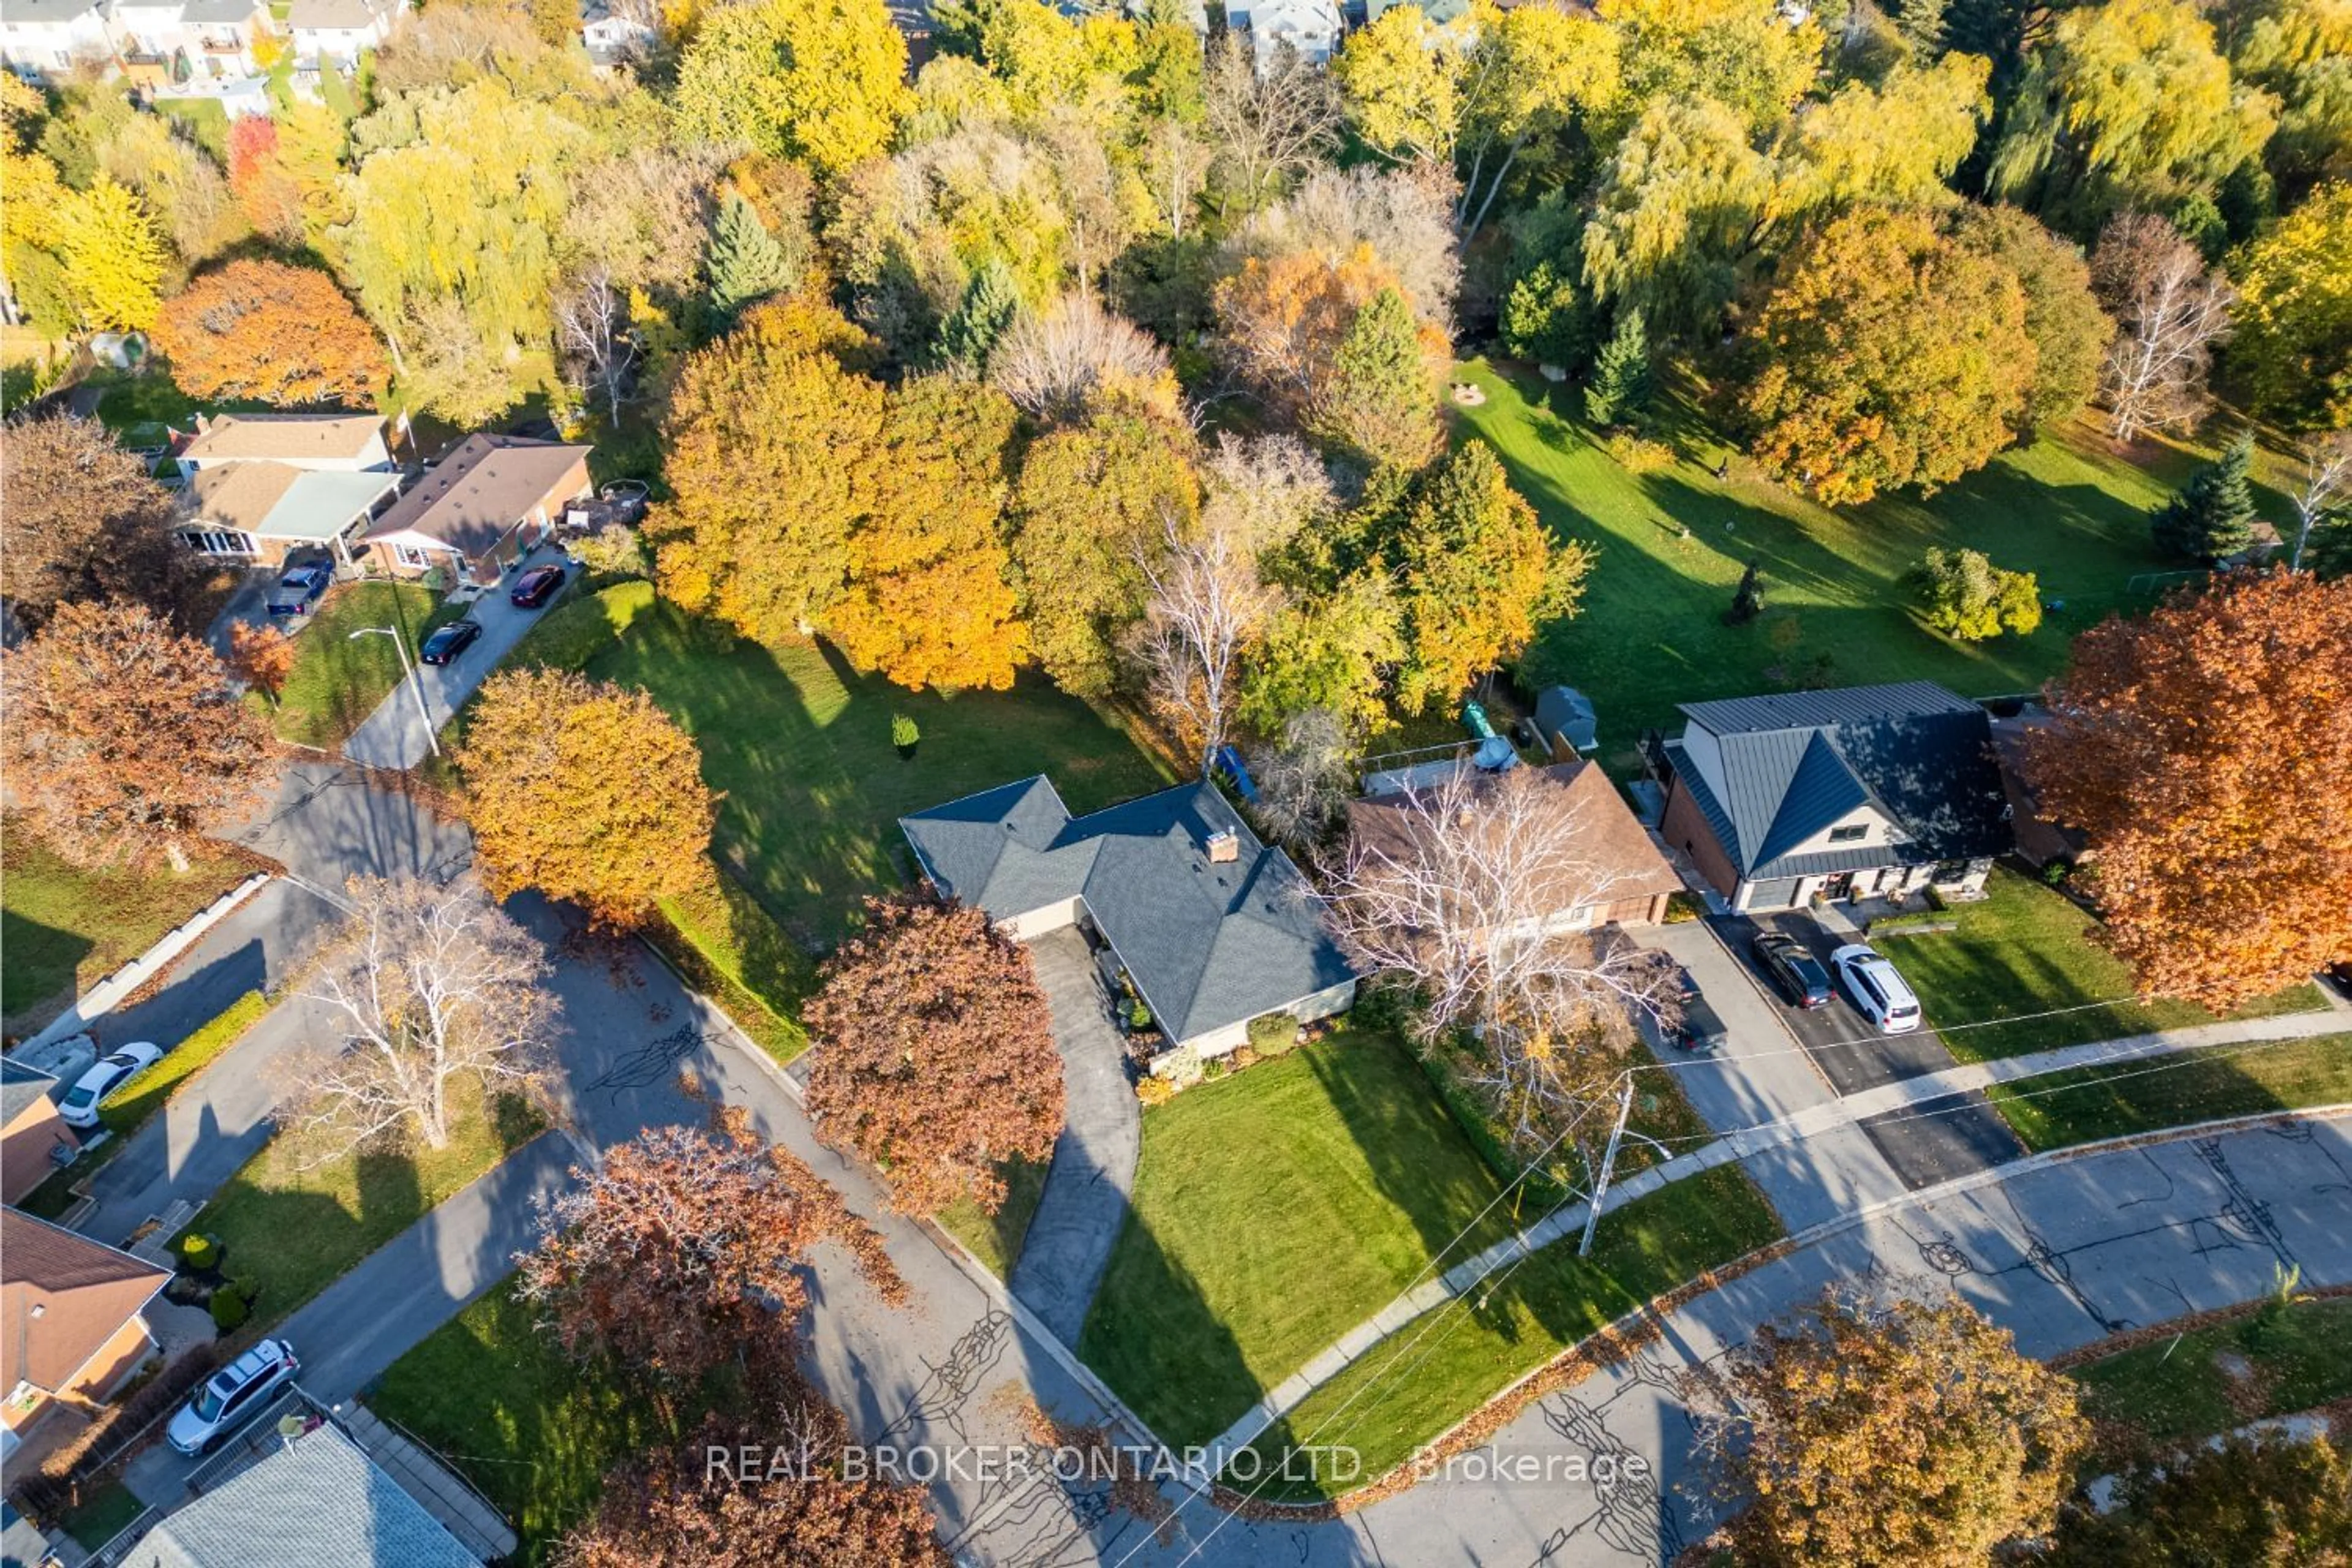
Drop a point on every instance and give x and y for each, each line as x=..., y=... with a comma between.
x=1881, y=994
x=108, y=1073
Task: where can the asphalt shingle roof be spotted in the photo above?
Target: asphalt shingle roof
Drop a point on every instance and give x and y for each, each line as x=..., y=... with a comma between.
x=1792, y=764
x=20, y=1086
x=1207, y=943
x=316, y=1501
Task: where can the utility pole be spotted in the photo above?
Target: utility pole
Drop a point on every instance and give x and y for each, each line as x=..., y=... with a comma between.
x=1608, y=1164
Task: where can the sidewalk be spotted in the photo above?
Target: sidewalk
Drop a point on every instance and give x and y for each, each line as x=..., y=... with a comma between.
x=1831, y=1118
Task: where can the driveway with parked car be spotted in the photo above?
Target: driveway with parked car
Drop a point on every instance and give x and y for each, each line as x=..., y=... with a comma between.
x=395, y=735
x=1925, y=1144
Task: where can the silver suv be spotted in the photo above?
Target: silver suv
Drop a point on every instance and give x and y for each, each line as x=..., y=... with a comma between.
x=231, y=1396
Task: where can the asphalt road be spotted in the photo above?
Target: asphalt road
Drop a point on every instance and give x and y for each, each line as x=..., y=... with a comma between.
x=1924, y=1145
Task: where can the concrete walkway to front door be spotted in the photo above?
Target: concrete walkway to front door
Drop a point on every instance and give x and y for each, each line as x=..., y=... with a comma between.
x=1084, y=1204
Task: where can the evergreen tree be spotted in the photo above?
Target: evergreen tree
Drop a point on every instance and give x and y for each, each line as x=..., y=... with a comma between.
x=1619, y=388
x=1921, y=22
x=2214, y=516
x=968, y=336
x=1748, y=602
x=744, y=262
x=2328, y=552
x=1379, y=401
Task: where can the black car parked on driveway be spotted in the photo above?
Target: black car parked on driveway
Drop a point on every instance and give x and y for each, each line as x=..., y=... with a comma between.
x=536, y=587
x=447, y=642
x=1793, y=970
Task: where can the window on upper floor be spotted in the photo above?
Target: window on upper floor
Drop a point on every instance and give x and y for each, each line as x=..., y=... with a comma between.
x=1852, y=833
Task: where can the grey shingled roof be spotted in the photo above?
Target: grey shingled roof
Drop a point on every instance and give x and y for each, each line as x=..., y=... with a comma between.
x=317, y=1500
x=20, y=1086
x=1207, y=944
x=1565, y=711
x=1792, y=764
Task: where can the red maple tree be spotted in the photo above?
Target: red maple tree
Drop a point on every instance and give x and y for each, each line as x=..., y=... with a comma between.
x=2205, y=752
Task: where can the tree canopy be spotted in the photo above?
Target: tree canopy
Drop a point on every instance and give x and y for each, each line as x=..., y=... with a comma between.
x=271, y=334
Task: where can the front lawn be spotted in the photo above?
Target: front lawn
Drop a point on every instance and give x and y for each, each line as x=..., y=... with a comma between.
x=800, y=745
x=338, y=679
x=2026, y=950
x=532, y=1429
x=292, y=1231
x=2289, y=1358
x=1439, y=1368
x=65, y=927
x=2081, y=1105
x=1672, y=545
x=1273, y=1211
x=995, y=1238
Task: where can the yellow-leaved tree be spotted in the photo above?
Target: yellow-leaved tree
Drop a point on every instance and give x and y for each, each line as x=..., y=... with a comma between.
x=822, y=81
x=586, y=791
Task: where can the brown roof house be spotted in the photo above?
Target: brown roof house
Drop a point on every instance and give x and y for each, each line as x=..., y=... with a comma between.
x=481, y=509
x=72, y=1323
x=1606, y=870
x=318, y=443
x=29, y=1129
x=257, y=513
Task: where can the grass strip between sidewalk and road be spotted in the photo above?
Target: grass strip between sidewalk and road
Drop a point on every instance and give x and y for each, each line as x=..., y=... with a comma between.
x=1441, y=1367
x=995, y=1238
x=2116, y=1100
x=289, y=1229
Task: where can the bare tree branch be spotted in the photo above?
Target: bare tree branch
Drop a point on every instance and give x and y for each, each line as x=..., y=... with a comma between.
x=2170, y=312
x=1207, y=607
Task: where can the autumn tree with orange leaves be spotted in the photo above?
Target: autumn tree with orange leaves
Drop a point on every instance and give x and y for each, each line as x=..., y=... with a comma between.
x=1283, y=323
x=586, y=791
x=123, y=740
x=930, y=600
x=685, y=1246
x=2205, y=754
x=1886, y=1434
x=673, y=1509
x=272, y=333
x=261, y=657
x=935, y=1054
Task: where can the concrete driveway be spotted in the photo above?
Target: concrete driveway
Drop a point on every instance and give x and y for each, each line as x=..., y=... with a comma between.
x=395, y=735
x=1965, y=1134
x=1084, y=1203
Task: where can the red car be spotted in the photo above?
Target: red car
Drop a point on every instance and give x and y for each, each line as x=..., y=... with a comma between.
x=536, y=587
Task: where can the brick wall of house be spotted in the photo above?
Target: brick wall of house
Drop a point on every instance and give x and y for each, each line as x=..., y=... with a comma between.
x=1684, y=826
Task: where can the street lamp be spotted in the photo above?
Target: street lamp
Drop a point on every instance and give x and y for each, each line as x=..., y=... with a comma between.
x=408, y=673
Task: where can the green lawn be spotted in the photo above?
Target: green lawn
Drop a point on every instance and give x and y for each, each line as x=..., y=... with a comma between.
x=995, y=1238
x=2058, y=1109
x=205, y=121
x=110, y=1511
x=530, y=1427
x=2028, y=950
x=1274, y=1211
x=2166, y=1392
x=1420, y=1382
x=65, y=927
x=294, y=1231
x=1649, y=635
x=800, y=745
x=338, y=681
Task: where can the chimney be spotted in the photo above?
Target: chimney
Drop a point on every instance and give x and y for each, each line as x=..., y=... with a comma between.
x=1224, y=846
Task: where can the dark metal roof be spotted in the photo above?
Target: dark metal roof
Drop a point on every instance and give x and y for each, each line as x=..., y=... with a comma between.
x=1566, y=713
x=1792, y=763
x=1208, y=943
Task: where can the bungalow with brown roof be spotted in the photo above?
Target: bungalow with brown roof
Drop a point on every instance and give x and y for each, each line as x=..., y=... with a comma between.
x=257, y=513
x=1613, y=874
x=318, y=443
x=482, y=509
x=30, y=1129
x=72, y=1322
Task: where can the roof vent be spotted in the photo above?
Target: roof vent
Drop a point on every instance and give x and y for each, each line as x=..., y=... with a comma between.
x=1224, y=846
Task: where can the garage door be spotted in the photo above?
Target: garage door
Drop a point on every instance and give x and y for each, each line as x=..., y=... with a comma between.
x=1774, y=895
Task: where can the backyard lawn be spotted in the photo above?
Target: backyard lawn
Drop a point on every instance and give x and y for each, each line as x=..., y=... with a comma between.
x=64, y=927
x=338, y=681
x=1430, y=1376
x=2026, y=950
x=531, y=1428
x=293, y=1231
x=800, y=745
x=1671, y=547
x=2291, y=1358
x=1274, y=1211
x=2058, y=1109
